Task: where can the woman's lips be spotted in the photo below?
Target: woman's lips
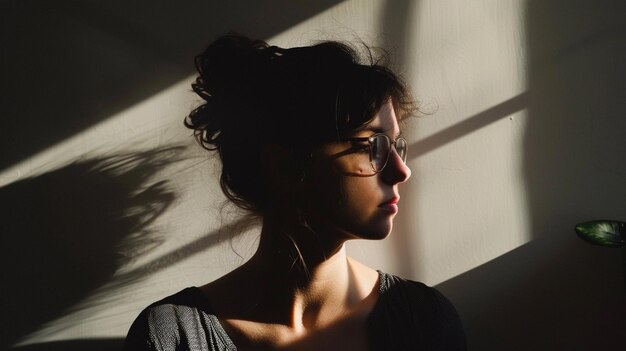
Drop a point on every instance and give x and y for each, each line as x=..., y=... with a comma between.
x=390, y=205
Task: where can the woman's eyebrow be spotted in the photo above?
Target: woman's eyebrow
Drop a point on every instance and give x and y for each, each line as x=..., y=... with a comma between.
x=374, y=129
x=377, y=130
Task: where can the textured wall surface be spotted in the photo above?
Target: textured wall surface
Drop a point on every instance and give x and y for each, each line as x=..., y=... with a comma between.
x=109, y=205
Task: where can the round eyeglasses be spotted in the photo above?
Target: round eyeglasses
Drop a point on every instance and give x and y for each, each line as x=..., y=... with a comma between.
x=379, y=148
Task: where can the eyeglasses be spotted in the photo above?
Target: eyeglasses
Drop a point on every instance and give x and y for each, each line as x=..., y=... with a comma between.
x=379, y=147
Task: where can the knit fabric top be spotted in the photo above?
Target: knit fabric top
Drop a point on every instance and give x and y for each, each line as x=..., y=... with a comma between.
x=408, y=315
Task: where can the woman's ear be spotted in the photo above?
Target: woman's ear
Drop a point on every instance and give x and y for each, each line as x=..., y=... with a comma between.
x=280, y=170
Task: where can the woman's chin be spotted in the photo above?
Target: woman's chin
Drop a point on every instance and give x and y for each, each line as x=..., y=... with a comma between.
x=377, y=230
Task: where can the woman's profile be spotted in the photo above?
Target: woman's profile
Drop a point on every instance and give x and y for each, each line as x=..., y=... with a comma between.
x=310, y=141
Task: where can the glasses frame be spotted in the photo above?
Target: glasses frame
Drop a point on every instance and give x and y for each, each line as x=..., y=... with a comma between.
x=392, y=144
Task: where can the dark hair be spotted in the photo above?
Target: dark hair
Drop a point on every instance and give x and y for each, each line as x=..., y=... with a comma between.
x=256, y=95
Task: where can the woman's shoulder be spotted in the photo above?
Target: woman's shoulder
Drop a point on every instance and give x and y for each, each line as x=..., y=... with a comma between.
x=416, y=293
x=191, y=296
x=397, y=292
x=181, y=319
x=177, y=309
x=410, y=312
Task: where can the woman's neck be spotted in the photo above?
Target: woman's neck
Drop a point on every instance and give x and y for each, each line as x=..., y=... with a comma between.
x=273, y=301
x=301, y=259
x=303, y=277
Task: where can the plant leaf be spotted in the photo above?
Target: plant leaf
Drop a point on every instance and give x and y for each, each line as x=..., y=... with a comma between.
x=603, y=232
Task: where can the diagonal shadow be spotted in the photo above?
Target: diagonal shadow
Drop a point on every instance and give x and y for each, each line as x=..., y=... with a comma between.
x=75, y=345
x=554, y=293
x=557, y=292
x=66, y=65
x=468, y=125
x=233, y=230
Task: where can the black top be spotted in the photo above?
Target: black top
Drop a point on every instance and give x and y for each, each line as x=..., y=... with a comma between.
x=407, y=316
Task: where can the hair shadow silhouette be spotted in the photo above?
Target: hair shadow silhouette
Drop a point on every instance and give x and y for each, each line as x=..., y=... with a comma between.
x=232, y=230
x=66, y=232
x=83, y=61
x=558, y=292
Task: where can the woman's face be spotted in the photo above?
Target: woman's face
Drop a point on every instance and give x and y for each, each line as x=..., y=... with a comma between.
x=358, y=206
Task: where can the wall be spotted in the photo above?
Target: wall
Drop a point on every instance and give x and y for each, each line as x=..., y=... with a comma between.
x=108, y=205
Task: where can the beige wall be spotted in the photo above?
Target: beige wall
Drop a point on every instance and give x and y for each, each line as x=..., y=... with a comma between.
x=112, y=206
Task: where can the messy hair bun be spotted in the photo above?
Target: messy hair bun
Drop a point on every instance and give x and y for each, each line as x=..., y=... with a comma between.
x=256, y=95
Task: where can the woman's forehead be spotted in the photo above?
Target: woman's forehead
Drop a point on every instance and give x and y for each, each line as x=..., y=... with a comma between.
x=385, y=121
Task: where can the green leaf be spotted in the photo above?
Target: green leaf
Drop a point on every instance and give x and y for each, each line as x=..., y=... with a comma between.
x=604, y=233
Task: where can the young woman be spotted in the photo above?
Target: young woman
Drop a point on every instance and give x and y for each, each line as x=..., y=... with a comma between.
x=309, y=140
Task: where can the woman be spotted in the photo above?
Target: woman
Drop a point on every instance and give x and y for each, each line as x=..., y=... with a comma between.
x=309, y=140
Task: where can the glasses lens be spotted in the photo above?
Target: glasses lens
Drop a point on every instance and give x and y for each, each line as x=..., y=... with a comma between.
x=402, y=148
x=380, y=151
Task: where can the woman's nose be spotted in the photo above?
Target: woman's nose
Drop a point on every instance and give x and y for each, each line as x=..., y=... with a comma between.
x=395, y=170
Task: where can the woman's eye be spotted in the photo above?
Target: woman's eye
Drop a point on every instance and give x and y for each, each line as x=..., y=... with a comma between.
x=361, y=147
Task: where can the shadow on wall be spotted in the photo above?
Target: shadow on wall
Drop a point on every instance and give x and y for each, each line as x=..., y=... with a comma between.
x=75, y=345
x=66, y=232
x=83, y=61
x=550, y=294
x=558, y=292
